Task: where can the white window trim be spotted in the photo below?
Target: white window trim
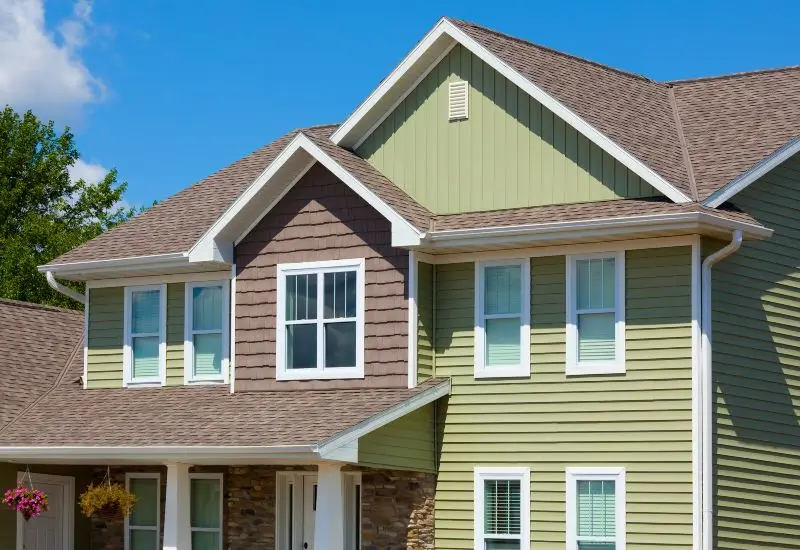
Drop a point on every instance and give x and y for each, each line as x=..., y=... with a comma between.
x=218, y=477
x=583, y=368
x=509, y=371
x=188, y=335
x=142, y=475
x=127, y=349
x=595, y=474
x=521, y=473
x=319, y=373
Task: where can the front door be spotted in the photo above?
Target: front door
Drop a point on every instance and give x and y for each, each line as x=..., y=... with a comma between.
x=309, y=510
x=47, y=531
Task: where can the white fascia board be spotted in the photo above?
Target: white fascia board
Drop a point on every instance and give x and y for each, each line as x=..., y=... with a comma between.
x=758, y=170
x=161, y=261
x=346, y=133
x=329, y=447
x=208, y=247
x=594, y=228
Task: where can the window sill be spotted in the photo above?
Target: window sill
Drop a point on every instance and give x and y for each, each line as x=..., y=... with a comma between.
x=143, y=383
x=205, y=381
x=523, y=371
x=592, y=369
x=346, y=373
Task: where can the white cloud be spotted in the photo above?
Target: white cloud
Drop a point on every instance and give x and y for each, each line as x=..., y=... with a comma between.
x=43, y=70
x=90, y=173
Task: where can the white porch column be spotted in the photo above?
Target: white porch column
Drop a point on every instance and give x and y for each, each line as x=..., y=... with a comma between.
x=177, y=530
x=329, y=520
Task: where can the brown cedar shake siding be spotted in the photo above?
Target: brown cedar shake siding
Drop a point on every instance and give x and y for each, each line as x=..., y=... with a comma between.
x=321, y=219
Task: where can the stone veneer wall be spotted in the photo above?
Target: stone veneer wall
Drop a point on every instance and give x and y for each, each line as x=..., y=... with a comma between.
x=396, y=508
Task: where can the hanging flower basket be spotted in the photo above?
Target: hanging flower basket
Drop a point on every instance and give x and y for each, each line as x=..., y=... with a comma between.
x=27, y=501
x=107, y=501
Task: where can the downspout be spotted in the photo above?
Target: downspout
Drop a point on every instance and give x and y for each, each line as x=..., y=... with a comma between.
x=707, y=390
x=66, y=291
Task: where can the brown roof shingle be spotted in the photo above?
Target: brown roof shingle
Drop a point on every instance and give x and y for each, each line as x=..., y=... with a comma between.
x=36, y=343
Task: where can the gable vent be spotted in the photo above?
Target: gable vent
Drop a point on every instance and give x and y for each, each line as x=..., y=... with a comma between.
x=458, y=100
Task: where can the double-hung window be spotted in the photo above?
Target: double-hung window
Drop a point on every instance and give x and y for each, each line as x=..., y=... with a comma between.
x=145, y=348
x=142, y=526
x=502, y=508
x=205, y=511
x=206, y=340
x=595, y=509
x=320, y=332
x=502, y=319
x=596, y=314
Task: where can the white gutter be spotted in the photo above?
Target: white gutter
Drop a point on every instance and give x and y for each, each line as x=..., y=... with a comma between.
x=163, y=261
x=66, y=291
x=707, y=393
x=158, y=453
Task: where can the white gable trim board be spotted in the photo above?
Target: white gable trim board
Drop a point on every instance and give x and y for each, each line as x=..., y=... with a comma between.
x=352, y=130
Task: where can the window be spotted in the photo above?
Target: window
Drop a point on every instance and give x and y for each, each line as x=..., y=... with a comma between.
x=205, y=511
x=502, y=319
x=595, y=509
x=142, y=526
x=596, y=314
x=145, y=348
x=502, y=508
x=206, y=340
x=320, y=331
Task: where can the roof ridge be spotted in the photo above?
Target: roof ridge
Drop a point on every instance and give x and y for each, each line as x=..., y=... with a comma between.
x=623, y=72
x=740, y=74
x=34, y=305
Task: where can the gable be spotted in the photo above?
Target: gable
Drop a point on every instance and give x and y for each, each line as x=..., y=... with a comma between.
x=511, y=152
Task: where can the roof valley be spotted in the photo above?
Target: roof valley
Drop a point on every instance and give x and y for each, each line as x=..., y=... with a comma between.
x=687, y=158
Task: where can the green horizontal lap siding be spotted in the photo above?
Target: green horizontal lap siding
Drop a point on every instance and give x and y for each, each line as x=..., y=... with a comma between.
x=756, y=343
x=510, y=152
x=641, y=420
x=8, y=518
x=405, y=444
x=176, y=301
x=106, y=334
x=425, y=368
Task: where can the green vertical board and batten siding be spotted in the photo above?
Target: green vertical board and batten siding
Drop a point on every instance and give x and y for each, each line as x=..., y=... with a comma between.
x=405, y=444
x=640, y=420
x=106, y=334
x=756, y=347
x=511, y=151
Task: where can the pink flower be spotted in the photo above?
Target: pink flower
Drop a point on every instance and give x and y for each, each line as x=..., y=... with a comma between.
x=28, y=502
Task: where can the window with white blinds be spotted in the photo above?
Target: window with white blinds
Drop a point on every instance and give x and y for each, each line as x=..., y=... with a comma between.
x=595, y=313
x=502, y=508
x=144, y=350
x=206, y=341
x=320, y=332
x=142, y=526
x=596, y=508
x=502, y=319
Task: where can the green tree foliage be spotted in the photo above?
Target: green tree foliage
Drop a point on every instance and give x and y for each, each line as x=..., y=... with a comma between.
x=43, y=214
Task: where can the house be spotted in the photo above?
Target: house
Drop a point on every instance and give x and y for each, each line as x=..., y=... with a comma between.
x=518, y=300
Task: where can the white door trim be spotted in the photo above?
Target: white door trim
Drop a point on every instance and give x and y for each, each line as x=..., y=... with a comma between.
x=68, y=513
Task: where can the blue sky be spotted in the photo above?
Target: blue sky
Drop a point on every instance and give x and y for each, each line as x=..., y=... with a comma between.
x=170, y=91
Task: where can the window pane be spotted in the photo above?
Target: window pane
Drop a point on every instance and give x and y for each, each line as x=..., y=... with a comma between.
x=502, y=544
x=145, y=512
x=301, y=346
x=205, y=541
x=145, y=357
x=207, y=308
x=340, y=344
x=301, y=297
x=144, y=540
x=596, y=508
x=595, y=282
x=502, y=342
x=596, y=546
x=145, y=307
x=207, y=354
x=502, y=289
x=205, y=503
x=501, y=501
x=340, y=294
x=596, y=337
